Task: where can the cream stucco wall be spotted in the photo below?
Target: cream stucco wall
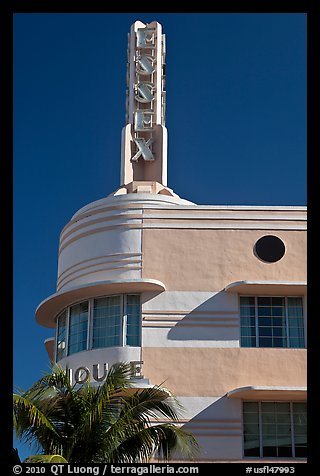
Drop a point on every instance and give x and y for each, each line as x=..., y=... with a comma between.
x=215, y=371
x=210, y=259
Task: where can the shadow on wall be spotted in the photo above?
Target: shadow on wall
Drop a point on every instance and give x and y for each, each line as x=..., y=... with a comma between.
x=218, y=429
x=215, y=319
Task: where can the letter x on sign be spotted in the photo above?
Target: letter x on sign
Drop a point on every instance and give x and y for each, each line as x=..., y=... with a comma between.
x=144, y=150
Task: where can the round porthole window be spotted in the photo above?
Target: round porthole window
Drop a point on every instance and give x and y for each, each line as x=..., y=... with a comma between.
x=269, y=248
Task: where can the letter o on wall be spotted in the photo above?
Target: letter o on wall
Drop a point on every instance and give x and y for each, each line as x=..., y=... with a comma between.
x=82, y=375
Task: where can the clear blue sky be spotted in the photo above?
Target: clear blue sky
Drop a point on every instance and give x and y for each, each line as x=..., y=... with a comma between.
x=236, y=119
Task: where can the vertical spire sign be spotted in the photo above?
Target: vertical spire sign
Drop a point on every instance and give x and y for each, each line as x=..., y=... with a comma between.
x=144, y=138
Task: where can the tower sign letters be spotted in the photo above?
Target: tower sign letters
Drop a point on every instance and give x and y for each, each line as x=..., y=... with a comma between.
x=144, y=137
x=145, y=82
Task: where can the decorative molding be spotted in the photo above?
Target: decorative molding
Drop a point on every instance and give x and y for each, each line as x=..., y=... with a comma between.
x=99, y=230
x=189, y=324
x=142, y=212
x=106, y=268
x=185, y=312
x=111, y=255
x=219, y=226
x=116, y=215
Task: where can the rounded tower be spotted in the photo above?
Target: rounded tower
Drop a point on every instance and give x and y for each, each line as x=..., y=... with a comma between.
x=101, y=285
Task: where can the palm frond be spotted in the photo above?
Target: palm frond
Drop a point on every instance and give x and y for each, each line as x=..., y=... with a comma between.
x=34, y=416
x=45, y=459
x=164, y=440
x=105, y=423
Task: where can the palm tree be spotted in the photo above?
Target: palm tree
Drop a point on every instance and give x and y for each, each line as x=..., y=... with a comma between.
x=111, y=423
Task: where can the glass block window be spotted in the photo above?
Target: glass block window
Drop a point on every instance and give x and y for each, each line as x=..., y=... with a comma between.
x=275, y=429
x=271, y=321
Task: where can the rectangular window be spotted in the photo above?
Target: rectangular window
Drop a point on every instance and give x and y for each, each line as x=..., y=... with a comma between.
x=116, y=321
x=271, y=321
x=78, y=328
x=107, y=322
x=275, y=429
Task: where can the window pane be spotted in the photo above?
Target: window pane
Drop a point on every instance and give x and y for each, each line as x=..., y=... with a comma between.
x=251, y=429
x=248, y=321
x=252, y=418
x=295, y=312
x=285, y=450
x=250, y=407
x=133, y=320
x=252, y=448
x=282, y=407
x=107, y=322
x=297, y=342
x=278, y=311
x=78, y=328
x=61, y=336
x=278, y=301
x=276, y=429
x=264, y=321
x=296, y=335
x=300, y=428
x=279, y=342
x=265, y=331
x=247, y=311
x=248, y=342
x=279, y=322
x=278, y=332
x=246, y=301
x=265, y=342
x=300, y=408
x=295, y=301
x=267, y=407
x=133, y=299
x=248, y=331
x=264, y=311
x=268, y=418
x=296, y=331
x=264, y=301
x=295, y=322
x=269, y=431
x=269, y=450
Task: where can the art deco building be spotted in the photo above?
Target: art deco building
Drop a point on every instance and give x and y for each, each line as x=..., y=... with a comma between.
x=209, y=299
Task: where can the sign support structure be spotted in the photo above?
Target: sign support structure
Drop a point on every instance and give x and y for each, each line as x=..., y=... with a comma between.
x=144, y=138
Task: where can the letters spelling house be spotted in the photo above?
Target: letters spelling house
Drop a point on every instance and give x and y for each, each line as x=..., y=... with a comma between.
x=209, y=299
